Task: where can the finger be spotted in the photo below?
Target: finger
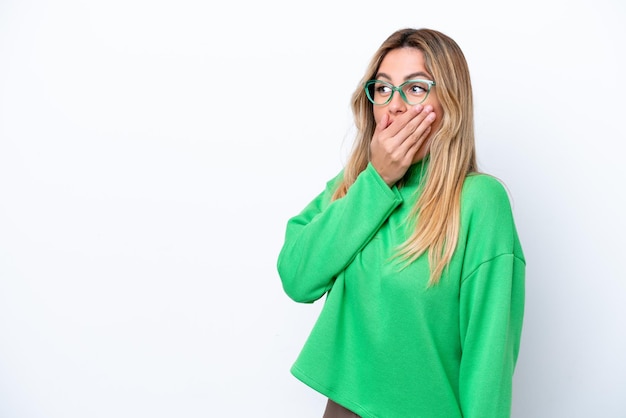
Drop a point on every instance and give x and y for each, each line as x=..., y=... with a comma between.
x=416, y=147
x=401, y=122
x=416, y=121
x=417, y=137
x=413, y=129
x=383, y=124
x=421, y=142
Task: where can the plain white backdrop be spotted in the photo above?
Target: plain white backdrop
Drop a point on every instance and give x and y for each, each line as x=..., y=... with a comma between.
x=151, y=153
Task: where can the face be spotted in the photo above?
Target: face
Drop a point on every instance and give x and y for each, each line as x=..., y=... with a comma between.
x=398, y=66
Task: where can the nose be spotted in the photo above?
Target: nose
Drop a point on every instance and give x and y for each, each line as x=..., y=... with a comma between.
x=397, y=105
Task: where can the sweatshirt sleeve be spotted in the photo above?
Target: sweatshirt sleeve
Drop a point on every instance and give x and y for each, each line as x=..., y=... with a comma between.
x=491, y=302
x=325, y=237
x=492, y=307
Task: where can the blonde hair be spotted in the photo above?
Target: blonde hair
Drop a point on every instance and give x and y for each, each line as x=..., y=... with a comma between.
x=452, y=152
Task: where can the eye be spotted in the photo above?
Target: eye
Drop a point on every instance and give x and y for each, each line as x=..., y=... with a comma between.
x=382, y=89
x=416, y=88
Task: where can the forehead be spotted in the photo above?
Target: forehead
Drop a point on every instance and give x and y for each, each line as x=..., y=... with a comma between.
x=402, y=61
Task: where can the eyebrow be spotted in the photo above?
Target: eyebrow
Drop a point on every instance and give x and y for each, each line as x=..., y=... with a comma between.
x=408, y=77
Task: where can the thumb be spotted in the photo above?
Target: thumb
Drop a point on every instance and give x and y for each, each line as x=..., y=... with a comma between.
x=384, y=123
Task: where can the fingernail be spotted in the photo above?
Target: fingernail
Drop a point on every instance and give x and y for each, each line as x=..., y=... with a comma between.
x=418, y=107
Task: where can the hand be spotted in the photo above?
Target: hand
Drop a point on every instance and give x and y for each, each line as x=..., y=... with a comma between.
x=396, y=142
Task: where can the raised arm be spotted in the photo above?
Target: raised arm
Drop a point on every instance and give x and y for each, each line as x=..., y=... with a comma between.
x=325, y=237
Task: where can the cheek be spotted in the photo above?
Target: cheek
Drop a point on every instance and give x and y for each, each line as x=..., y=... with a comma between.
x=437, y=123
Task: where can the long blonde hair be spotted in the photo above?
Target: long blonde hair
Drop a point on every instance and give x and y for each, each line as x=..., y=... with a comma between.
x=452, y=152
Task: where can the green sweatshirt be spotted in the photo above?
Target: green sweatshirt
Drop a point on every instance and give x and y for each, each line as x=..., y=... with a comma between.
x=385, y=344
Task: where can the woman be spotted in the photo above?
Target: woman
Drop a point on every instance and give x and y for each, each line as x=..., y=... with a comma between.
x=416, y=252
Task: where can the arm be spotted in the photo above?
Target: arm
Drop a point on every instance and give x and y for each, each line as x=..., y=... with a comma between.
x=491, y=301
x=325, y=237
x=492, y=308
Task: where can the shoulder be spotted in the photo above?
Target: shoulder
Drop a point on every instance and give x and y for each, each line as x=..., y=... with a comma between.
x=487, y=218
x=480, y=185
x=484, y=191
x=485, y=203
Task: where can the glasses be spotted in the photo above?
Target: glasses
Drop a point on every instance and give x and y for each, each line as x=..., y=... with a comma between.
x=412, y=91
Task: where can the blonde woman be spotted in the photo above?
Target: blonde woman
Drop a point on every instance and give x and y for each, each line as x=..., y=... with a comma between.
x=414, y=248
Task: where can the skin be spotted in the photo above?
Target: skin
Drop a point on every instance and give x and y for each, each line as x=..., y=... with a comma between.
x=402, y=131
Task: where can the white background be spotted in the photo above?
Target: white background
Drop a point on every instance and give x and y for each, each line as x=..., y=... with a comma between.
x=151, y=153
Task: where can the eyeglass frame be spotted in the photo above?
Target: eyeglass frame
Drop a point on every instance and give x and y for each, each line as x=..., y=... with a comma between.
x=368, y=83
